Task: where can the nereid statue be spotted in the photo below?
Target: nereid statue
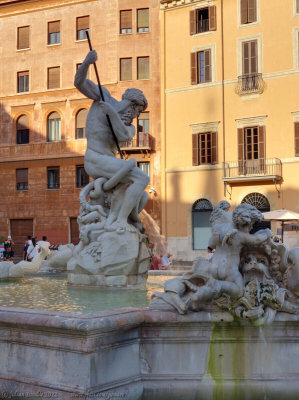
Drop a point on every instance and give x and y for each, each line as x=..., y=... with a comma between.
x=250, y=275
x=111, y=239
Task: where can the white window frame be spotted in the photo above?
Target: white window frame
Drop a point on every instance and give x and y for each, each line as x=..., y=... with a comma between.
x=295, y=47
x=295, y=8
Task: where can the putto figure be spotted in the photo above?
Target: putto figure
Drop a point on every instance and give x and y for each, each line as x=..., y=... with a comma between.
x=249, y=275
x=100, y=158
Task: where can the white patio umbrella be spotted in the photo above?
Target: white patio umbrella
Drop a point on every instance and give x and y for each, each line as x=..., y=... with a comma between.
x=281, y=215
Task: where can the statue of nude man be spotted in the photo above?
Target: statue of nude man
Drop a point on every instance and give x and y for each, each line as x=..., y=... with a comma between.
x=100, y=157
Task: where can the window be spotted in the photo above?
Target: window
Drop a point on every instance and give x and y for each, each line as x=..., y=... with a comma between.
x=297, y=6
x=23, y=81
x=54, y=78
x=201, y=68
x=203, y=20
x=248, y=11
x=143, y=20
x=53, y=177
x=251, y=150
x=82, y=26
x=54, y=127
x=82, y=178
x=145, y=167
x=126, y=21
x=23, y=38
x=201, y=227
x=22, y=179
x=250, y=76
x=23, y=130
x=143, y=68
x=204, y=148
x=143, y=122
x=54, y=32
x=80, y=123
x=126, y=69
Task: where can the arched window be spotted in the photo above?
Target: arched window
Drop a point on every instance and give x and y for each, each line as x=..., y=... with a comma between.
x=54, y=127
x=262, y=204
x=23, y=130
x=201, y=227
x=81, y=123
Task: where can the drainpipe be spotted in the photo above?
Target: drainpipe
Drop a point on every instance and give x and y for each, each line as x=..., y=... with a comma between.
x=223, y=106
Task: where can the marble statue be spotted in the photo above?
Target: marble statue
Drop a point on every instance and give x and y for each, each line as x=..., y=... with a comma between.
x=249, y=275
x=112, y=249
x=10, y=270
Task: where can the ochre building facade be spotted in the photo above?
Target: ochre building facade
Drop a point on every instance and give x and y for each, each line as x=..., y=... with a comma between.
x=42, y=115
x=230, y=113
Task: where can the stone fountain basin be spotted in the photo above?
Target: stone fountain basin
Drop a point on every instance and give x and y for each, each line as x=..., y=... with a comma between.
x=146, y=354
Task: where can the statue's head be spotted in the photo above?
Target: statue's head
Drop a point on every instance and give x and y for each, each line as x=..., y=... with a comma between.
x=245, y=215
x=132, y=104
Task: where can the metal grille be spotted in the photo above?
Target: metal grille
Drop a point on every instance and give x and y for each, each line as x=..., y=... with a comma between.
x=202, y=205
x=257, y=200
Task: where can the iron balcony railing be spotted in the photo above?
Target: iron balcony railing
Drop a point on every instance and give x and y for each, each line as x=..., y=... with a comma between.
x=253, y=168
x=250, y=83
x=140, y=141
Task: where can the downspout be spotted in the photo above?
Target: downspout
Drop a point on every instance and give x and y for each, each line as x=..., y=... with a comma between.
x=223, y=105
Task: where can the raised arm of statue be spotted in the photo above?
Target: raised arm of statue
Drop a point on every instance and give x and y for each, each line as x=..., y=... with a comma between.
x=85, y=86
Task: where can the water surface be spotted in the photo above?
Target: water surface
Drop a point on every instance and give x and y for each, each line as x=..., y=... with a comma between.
x=53, y=293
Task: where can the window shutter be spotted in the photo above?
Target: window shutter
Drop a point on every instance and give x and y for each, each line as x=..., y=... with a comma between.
x=244, y=5
x=245, y=57
x=212, y=18
x=82, y=23
x=53, y=78
x=214, y=147
x=143, y=68
x=126, y=69
x=23, y=37
x=194, y=76
x=262, y=148
x=143, y=18
x=193, y=22
x=252, y=14
x=297, y=6
x=195, y=149
x=54, y=27
x=208, y=74
x=22, y=175
x=253, y=57
x=241, y=150
x=126, y=19
x=296, y=138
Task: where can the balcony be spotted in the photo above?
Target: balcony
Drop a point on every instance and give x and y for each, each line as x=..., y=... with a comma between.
x=250, y=83
x=142, y=142
x=253, y=170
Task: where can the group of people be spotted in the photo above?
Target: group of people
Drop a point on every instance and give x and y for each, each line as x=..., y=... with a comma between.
x=30, y=247
x=159, y=261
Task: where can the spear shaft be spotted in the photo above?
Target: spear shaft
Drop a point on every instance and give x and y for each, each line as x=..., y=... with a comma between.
x=103, y=99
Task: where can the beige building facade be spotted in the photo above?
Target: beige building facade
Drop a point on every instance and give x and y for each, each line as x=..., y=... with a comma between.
x=42, y=115
x=230, y=113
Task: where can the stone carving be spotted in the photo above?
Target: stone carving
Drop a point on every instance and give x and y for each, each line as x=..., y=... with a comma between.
x=112, y=248
x=250, y=275
x=10, y=270
x=58, y=258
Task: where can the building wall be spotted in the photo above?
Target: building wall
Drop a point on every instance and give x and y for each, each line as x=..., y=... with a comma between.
x=186, y=107
x=52, y=209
